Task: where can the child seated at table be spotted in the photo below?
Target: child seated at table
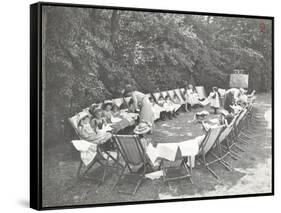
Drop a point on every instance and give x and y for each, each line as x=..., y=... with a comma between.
x=107, y=111
x=158, y=111
x=168, y=111
x=98, y=122
x=115, y=111
x=171, y=106
x=192, y=98
x=89, y=134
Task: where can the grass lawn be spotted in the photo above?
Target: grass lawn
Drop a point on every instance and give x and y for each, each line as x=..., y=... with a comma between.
x=251, y=174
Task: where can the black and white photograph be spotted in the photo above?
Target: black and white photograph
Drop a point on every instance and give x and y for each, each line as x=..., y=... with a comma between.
x=142, y=105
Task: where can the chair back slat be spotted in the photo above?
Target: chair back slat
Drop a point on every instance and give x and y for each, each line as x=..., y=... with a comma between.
x=182, y=90
x=156, y=95
x=130, y=148
x=178, y=93
x=74, y=120
x=211, y=138
x=127, y=99
x=164, y=93
x=171, y=93
x=241, y=115
x=225, y=133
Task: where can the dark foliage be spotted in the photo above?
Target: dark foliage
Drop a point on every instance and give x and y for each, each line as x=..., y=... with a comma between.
x=90, y=54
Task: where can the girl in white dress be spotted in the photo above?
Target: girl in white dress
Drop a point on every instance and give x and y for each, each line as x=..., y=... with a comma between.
x=191, y=97
x=215, y=99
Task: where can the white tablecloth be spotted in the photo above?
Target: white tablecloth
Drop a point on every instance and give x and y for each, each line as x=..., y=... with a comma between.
x=168, y=151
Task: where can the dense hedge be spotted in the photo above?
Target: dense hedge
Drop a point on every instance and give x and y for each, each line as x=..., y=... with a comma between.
x=90, y=54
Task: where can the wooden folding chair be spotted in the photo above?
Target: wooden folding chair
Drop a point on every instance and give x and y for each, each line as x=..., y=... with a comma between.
x=156, y=96
x=164, y=93
x=176, y=170
x=171, y=94
x=133, y=154
x=225, y=141
x=208, y=146
x=180, y=95
x=99, y=158
x=239, y=125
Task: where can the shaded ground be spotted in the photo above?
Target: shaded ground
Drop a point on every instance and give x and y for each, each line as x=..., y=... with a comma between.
x=251, y=174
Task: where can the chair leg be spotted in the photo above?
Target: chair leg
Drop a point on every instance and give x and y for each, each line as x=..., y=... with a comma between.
x=232, y=154
x=189, y=171
x=221, y=161
x=79, y=170
x=212, y=172
x=242, y=140
x=90, y=166
x=243, y=134
x=238, y=147
x=119, y=177
x=105, y=169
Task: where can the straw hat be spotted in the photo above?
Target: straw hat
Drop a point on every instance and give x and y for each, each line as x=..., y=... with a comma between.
x=142, y=128
x=81, y=116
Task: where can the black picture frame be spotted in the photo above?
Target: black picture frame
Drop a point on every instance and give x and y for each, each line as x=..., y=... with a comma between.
x=36, y=103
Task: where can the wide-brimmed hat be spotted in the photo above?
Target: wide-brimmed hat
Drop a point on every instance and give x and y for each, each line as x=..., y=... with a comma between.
x=142, y=128
x=81, y=116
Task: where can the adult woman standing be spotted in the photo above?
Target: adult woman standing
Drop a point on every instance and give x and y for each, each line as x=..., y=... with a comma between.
x=141, y=103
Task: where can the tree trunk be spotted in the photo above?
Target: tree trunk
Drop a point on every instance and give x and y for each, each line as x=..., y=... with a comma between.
x=114, y=27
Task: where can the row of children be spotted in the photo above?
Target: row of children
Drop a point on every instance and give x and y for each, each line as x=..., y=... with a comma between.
x=95, y=126
x=165, y=107
x=232, y=96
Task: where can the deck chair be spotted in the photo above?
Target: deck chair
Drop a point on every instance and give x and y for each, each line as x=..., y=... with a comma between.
x=164, y=93
x=117, y=101
x=180, y=96
x=156, y=96
x=182, y=90
x=210, y=146
x=171, y=168
x=171, y=93
x=99, y=158
x=250, y=120
x=127, y=99
x=133, y=154
x=201, y=92
x=232, y=142
x=239, y=125
x=225, y=141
